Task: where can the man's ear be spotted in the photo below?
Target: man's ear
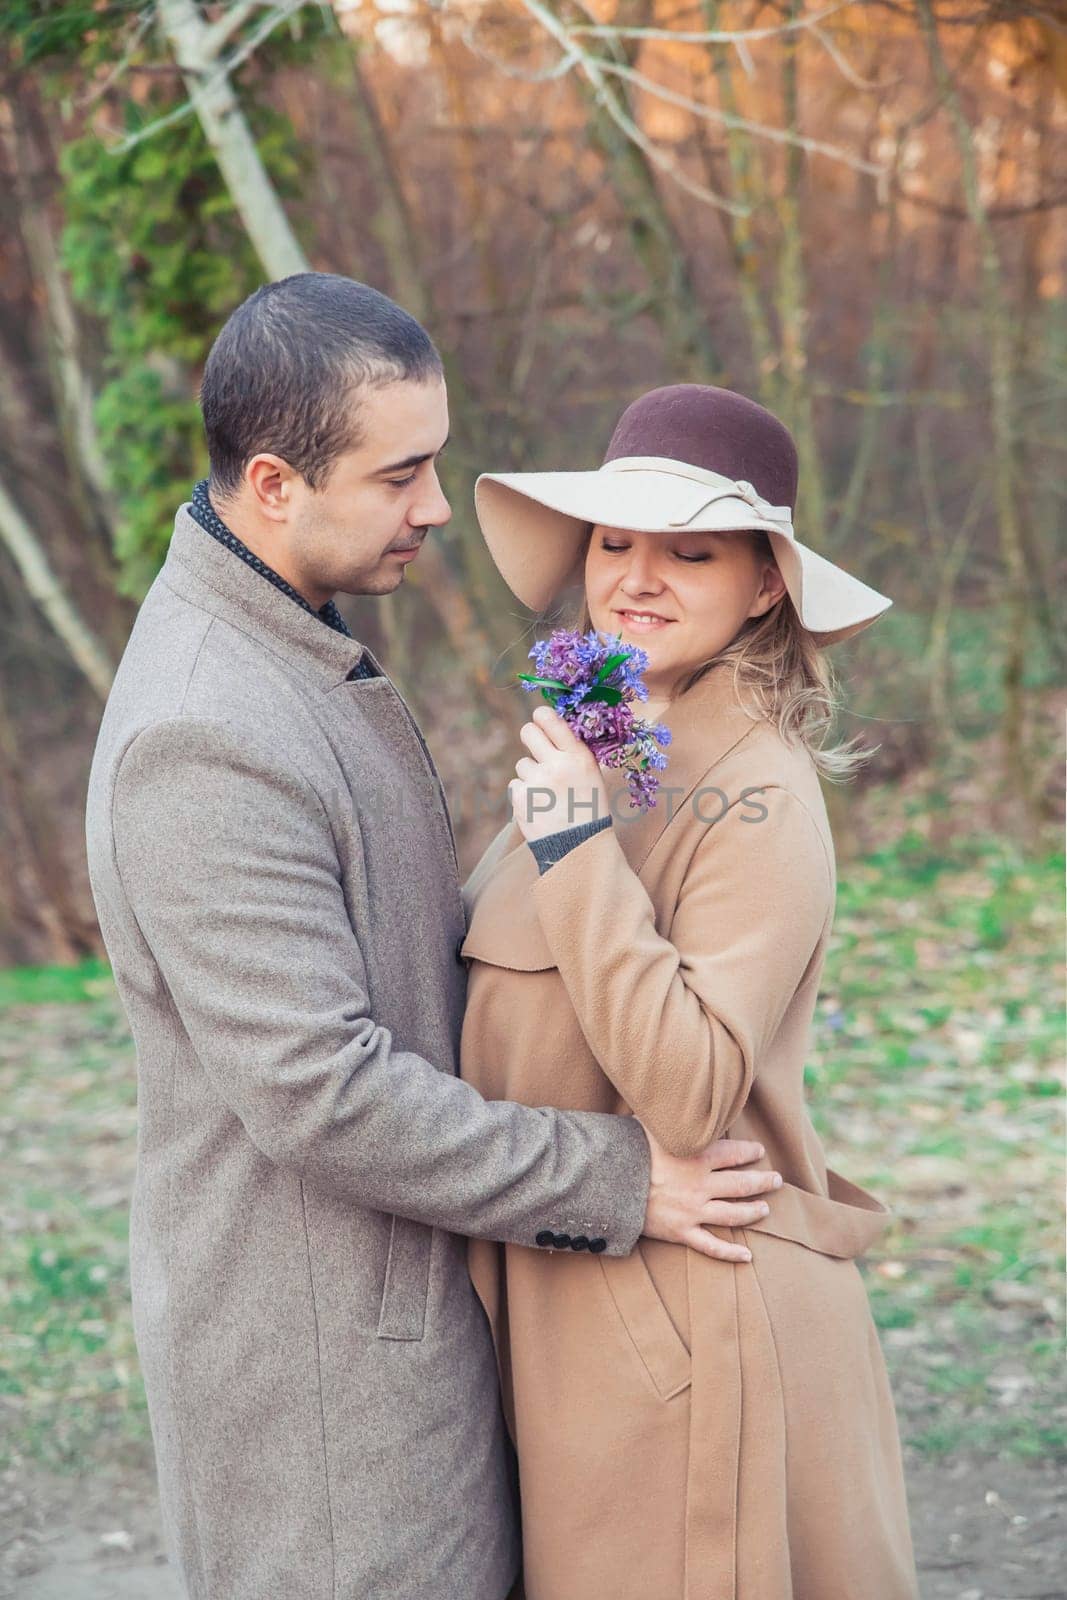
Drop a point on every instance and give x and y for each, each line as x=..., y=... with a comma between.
x=271, y=481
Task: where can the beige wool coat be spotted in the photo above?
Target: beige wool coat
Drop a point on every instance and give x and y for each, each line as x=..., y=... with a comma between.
x=687, y=1429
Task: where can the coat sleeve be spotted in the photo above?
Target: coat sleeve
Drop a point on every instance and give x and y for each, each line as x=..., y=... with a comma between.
x=229, y=865
x=680, y=1024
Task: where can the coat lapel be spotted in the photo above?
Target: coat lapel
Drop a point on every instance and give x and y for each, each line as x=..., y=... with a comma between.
x=706, y=723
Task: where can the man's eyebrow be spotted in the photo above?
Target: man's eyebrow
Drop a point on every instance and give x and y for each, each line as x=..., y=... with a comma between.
x=409, y=462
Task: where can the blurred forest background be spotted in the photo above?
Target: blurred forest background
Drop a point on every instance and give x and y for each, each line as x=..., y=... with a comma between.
x=855, y=213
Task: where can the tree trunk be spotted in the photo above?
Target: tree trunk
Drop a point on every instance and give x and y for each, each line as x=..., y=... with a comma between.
x=792, y=305
x=45, y=588
x=230, y=138
x=746, y=181
x=36, y=875
x=33, y=167
x=998, y=341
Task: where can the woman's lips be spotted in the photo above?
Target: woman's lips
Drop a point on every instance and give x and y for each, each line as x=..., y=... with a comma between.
x=643, y=624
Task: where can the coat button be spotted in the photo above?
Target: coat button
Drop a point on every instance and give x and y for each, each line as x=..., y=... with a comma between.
x=596, y=1245
x=560, y=1241
x=545, y=1237
x=460, y=957
x=581, y=1243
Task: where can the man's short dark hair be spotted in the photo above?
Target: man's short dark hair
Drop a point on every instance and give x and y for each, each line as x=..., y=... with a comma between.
x=284, y=371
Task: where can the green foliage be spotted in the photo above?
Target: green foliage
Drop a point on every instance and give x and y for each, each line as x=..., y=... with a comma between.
x=155, y=249
x=51, y=31
x=25, y=986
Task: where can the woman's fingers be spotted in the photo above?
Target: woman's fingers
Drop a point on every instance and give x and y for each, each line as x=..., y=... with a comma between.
x=708, y=1244
x=556, y=728
x=537, y=741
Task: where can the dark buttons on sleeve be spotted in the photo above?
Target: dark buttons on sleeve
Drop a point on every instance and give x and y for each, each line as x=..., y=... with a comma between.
x=581, y=1243
x=561, y=1241
x=596, y=1245
x=545, y=1237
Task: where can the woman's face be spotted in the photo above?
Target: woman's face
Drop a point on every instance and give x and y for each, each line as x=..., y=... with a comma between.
x=680, y=596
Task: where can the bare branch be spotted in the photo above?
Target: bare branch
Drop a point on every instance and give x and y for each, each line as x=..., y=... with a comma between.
x=708, y=36
x=29, y=555
x=226, y=129
x=594, y=67
x=226, y=67
x=945, y=208
x=559, y=69
x=845, y=67
x=144, y=21
x=700, y=108
x=216, y=34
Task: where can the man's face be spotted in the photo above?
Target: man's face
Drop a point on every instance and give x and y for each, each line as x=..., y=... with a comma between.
x=358, y=533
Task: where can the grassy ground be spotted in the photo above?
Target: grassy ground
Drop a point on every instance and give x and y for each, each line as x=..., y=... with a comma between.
x=934, y=1081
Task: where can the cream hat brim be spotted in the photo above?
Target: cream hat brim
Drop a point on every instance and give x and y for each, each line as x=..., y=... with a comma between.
x=535, y=523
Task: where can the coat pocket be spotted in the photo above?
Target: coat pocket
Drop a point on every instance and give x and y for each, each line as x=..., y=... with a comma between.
x=648, y=1323
x=407, y=1280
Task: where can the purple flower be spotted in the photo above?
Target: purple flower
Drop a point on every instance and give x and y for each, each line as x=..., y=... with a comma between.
x=592, y=680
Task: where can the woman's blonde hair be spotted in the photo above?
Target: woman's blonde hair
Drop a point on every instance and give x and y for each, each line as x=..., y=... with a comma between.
x=782, y=675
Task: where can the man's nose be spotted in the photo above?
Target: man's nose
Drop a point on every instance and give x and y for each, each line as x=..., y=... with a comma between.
x=430, y=510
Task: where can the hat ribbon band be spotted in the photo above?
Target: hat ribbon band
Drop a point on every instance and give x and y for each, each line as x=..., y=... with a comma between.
x=723, y=488
x=769, y=513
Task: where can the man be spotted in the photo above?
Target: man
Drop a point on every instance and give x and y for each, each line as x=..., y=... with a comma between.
x=273, y=867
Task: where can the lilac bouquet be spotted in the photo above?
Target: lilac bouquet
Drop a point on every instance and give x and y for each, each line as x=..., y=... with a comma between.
x=592, y=680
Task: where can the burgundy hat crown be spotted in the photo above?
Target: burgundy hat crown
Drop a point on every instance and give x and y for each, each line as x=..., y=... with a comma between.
x=715, y=429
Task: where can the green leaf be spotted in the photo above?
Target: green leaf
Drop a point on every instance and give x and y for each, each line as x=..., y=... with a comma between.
x=610, y=665
x=543, y=683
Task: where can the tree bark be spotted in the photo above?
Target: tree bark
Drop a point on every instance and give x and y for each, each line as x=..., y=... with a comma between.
x=36, y=874
x=33, y=167
x=998, y=340
x=792, y=305
x=745, y=177
x=45, y=588
x=230, y=138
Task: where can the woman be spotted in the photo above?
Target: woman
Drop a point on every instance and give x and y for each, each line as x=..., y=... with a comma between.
x=686, y=1428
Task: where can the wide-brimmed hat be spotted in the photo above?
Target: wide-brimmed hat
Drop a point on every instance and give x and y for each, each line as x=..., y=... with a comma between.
x=689, y=457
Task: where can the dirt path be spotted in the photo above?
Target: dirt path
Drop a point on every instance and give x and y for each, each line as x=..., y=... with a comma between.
x=993, y=1530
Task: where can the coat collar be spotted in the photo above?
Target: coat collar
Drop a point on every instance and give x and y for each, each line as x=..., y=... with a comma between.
x=706, y=722
x=206, y=573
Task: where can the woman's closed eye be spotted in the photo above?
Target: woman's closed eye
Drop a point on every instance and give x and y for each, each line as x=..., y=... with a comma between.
x=682, y=555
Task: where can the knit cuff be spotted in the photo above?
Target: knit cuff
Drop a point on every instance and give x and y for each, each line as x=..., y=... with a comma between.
x=555, y=846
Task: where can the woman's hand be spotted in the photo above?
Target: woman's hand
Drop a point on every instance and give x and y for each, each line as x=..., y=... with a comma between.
x=559, y=783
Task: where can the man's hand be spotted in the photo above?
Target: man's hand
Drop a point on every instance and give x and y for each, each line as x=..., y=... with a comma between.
x=688, y=1192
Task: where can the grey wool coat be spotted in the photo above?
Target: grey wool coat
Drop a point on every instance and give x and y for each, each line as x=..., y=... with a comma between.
x=273, y=868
